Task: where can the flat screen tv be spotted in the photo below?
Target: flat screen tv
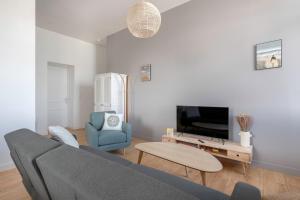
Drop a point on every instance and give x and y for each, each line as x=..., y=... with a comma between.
x=204, y=121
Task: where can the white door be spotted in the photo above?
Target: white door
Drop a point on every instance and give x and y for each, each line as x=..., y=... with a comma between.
x=58, y=96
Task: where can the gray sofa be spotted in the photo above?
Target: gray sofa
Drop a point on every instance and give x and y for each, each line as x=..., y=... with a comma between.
x=54, y=171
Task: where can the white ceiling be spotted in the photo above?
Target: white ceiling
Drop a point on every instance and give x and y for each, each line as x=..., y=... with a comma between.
x=89, y=20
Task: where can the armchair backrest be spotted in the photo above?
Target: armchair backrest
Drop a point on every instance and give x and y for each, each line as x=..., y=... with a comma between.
x=97, y=119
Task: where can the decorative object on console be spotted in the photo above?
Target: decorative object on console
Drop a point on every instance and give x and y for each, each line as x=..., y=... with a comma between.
x=146, y=73
x=170, y=131
x=143, y=20
x=244, y=122
x=269, y=55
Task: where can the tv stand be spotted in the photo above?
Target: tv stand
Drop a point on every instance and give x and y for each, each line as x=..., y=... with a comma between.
x=229, y=150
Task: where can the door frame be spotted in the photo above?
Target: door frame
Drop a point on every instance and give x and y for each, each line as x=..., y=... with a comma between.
x=70, y=86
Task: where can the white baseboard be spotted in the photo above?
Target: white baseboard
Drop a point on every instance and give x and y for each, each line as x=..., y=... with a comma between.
x=277, y=167
x=7, y=166
x=143, y=137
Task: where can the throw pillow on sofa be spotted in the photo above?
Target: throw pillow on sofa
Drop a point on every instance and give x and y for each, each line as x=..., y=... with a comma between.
x=112, y=122
x=64, y=135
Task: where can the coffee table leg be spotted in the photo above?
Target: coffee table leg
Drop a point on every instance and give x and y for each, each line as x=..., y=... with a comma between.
x=140, y=157
x=186, y=172
x=245, y=168
x=203, y=175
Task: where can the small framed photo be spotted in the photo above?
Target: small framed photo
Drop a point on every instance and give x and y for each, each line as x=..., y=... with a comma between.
x=146, y=73
x=269, y=55
x=170, y=131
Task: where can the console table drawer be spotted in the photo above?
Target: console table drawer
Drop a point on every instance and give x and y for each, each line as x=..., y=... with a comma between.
x=229, y=150
x=239, y=156
x=165, y=139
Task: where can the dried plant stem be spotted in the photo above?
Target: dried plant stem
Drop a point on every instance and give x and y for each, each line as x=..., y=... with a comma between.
x=244, y=122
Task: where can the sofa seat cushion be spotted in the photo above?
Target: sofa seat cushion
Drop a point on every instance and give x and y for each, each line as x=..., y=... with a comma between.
x=106, y=155
x=186, y=186
x=199, y=191
x=95, y=178
x=111, y=137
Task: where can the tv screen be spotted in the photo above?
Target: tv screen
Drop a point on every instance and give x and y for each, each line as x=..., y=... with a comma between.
x=205, y=121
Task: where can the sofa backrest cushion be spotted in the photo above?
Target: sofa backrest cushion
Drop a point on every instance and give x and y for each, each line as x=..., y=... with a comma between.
x=84, y=175
x=97, y=119
x=25, y=146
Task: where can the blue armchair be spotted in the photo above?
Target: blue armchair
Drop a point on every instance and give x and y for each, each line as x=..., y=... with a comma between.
x=106, y=140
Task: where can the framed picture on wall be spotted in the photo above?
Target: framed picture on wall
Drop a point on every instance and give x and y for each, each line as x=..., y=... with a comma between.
x=146, y=73
x=269, y=55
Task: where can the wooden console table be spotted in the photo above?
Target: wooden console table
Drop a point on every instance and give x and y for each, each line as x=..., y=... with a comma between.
x=228, y=150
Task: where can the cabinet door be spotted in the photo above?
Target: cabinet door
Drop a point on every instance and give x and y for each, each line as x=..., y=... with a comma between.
x=107, y=90
x=117, y=100
x=98, y=91
x=118, y=93
x=102, y=93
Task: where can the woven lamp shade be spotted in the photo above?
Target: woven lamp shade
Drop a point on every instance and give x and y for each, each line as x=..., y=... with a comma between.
x=143, y=20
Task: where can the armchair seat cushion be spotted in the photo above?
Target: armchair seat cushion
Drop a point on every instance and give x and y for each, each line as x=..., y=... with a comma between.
x=111, y=137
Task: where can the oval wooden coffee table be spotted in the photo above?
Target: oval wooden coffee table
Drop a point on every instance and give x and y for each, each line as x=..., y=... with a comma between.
x=181, y=154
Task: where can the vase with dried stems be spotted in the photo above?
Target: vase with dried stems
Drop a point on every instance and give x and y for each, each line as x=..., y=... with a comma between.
x=244, y=122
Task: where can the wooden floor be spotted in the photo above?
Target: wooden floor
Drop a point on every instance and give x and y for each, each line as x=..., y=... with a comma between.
x=273, y=185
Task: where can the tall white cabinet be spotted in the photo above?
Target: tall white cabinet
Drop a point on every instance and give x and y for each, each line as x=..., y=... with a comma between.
x=111, y=93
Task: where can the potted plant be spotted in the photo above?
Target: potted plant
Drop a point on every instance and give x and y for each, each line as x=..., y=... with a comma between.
x=245, y=134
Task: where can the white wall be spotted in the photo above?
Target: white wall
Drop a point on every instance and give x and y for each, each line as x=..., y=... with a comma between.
x=17, y=70
x=87, y=59
x=203, y=55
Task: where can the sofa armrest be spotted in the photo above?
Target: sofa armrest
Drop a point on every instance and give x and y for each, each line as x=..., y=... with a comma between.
x=92, y=135
x=126, y=128
x=246, y=192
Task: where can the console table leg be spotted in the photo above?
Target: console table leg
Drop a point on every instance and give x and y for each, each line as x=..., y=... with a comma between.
x=244, y=168
x=140, y=157
x=203, y=175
